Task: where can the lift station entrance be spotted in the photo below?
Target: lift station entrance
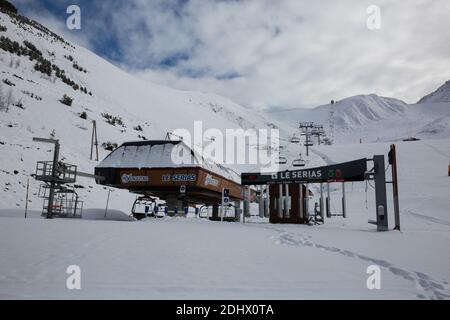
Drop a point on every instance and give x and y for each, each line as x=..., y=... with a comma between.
x=289, y=192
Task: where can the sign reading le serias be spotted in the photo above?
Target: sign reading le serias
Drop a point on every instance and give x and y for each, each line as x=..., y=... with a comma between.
x=348, y=171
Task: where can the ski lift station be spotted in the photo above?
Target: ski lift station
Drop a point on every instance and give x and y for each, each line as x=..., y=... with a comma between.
x=147, y=168
x=171, y=171
x=151, y=169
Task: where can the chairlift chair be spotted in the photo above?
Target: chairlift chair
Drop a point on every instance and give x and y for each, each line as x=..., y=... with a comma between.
x=299, y=163
x=295, y=140
x=144, y=201
x=281, y=160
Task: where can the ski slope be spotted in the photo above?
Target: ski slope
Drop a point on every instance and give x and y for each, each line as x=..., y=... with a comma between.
x=189, y=258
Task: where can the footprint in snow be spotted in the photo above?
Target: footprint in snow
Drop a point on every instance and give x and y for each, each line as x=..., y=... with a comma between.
x=432, y=288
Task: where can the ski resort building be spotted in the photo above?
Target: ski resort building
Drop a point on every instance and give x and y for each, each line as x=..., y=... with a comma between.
x=171, y=171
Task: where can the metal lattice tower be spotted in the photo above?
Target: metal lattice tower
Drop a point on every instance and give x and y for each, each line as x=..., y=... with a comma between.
x=306, y=128
x=59, y=200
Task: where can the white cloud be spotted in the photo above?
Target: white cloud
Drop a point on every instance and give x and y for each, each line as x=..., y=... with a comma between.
x=283, y=53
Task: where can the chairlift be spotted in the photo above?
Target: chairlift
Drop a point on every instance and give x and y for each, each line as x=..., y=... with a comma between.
x=309, y=143
x=299, y=162
x=281, y=160
x=148, y=203
x=295, y=139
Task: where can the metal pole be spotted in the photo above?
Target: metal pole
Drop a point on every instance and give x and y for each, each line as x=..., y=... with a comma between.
x=307, y=143
x=107, y=202
x=280, y=200
x=395, y=187
x=52, y=184
x=96, y=141
x=328, y=201
x=301, y=202
x=26, y=198
x=267, y=202
x=243, y=206
x=221, y=209
x=344, y=204
x=307, y=201
x=321, y=201
x=76, y=205
x=286, y=200
x=92, y=138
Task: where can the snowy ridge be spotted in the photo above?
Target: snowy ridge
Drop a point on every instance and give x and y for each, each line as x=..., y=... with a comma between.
x=373, y=118
x=442, y=94
x=364, y=109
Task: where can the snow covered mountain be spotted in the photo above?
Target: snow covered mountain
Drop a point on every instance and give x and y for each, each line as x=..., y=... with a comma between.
x=373, y=118
x=363, y=109
x=442, y=94
x=52, y=88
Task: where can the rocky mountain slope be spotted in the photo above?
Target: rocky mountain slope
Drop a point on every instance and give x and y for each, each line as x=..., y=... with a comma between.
x=441, y=95
x=52, y=88
x=373, y=118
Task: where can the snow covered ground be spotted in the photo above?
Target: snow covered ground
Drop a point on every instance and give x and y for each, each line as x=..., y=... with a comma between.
x=178, y=258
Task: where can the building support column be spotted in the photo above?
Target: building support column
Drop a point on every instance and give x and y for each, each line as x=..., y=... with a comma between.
x=280, y=200
x=267, y=202
x=261, y=201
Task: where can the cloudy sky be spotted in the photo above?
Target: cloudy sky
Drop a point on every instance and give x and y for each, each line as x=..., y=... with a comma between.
x=264, y=53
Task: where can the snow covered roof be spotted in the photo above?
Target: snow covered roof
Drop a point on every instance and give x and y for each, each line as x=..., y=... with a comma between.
x=162, y=154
